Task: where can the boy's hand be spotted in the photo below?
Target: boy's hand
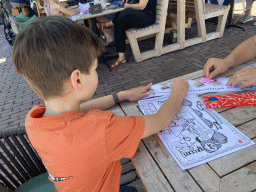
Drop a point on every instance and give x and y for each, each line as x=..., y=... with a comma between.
x=180, y=85
x=215, y=66
x=138, y=93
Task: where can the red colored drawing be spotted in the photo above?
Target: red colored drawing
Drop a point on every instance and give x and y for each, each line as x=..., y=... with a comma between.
x=240, y=141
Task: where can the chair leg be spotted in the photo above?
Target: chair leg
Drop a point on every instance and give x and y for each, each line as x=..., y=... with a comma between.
x=135, y=47
x=222, y=23
x=159, y=43
x=200, y=20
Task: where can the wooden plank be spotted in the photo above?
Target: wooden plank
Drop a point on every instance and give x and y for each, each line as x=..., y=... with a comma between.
x=180, y=180
x=224, y=165
x=222, y=23
x=200, y=20
x=206, y=177
x=212, y=35
x=193, y=41
x=105, y=12
x=242, y=180
x=170, y=48
x=149, y=172
x=181, y=23
x=117, y=110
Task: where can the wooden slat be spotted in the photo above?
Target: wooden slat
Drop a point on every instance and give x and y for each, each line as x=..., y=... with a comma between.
x=206, y=177
x=117, y=110
x=181, y=23
x=212, y=35
x=150, y=174
x=180, y=180
x=236, y=160
x=193, y=41
x=242, y=180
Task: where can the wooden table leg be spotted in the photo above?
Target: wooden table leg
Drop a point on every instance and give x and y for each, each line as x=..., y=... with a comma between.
x=181, y=23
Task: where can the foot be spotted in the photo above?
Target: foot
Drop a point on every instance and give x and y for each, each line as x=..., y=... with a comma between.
x=247, y=19
x=119, y=62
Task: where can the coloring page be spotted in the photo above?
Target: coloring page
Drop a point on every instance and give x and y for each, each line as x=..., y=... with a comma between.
x=209, y=87
x=197, y=134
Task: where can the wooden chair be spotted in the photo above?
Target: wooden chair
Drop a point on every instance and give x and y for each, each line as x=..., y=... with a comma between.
x=40, y=9
x=22, y=168
x=157, y=28
x=201, y=11
x=206, y=11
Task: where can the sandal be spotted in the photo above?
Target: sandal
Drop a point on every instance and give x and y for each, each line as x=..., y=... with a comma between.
x=101, y=25
x=118, y=63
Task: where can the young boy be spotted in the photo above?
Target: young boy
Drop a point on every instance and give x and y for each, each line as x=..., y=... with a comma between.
x=79, y=144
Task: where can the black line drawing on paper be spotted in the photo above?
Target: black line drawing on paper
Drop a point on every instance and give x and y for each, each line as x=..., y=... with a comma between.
x=196, y=134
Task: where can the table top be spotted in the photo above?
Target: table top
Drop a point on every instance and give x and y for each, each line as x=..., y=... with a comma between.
x=106, y=11
x=233, y=172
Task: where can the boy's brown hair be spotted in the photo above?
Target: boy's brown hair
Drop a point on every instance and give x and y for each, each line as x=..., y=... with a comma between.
x=49, y=49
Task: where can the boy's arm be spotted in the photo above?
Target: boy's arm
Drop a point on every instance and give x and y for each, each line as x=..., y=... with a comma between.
x=106, y=102
x=102, y=102
x=156, y=122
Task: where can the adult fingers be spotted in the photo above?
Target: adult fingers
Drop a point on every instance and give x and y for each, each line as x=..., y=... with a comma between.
x=214, y=73
x=245, y=84
x=235, y=79
x=207, y=68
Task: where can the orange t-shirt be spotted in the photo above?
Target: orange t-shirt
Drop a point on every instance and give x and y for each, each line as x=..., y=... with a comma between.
x=82, y=151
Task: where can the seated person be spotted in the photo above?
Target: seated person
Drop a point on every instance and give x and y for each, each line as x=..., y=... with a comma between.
x=242, y=53
x=56, y=8
x=79, y=141
x=139, y=15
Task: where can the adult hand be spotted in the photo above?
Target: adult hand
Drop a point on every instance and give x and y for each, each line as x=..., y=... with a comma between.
x=123, y=2
x=138, y=93
x=126, y=5
x=180, y=85
x=215, y=66
x=245, y=75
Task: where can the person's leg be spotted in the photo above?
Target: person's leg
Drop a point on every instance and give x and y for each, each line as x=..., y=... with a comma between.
x=248, y=15
x=123, y=21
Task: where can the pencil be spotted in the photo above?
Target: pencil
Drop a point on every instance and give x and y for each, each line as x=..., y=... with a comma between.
x=161, y=145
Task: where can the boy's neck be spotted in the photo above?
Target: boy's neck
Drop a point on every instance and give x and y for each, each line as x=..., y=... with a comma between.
x=56, y=107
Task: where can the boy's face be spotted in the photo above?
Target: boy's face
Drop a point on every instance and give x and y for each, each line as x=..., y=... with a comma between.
x=90, y=82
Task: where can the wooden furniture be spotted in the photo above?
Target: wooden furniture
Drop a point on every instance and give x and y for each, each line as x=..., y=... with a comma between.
x=157, y=28
x=104, y=12
x=200, y=11
x=232, y=173
x=40, y=9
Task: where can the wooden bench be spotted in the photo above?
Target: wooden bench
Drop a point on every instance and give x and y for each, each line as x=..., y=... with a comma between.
x=157, y=28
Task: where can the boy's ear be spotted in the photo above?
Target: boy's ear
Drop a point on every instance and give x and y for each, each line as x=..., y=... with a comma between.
x=76, y=81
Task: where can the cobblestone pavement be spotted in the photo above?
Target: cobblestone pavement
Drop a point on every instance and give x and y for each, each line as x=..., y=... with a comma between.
x=16, y=97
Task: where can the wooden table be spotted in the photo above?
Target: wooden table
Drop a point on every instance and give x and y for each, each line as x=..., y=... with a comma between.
x=235, y=172
x=106, y=11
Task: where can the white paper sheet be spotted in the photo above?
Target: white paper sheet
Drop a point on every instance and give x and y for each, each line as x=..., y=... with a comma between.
x=211, y=88
x=197, y=134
